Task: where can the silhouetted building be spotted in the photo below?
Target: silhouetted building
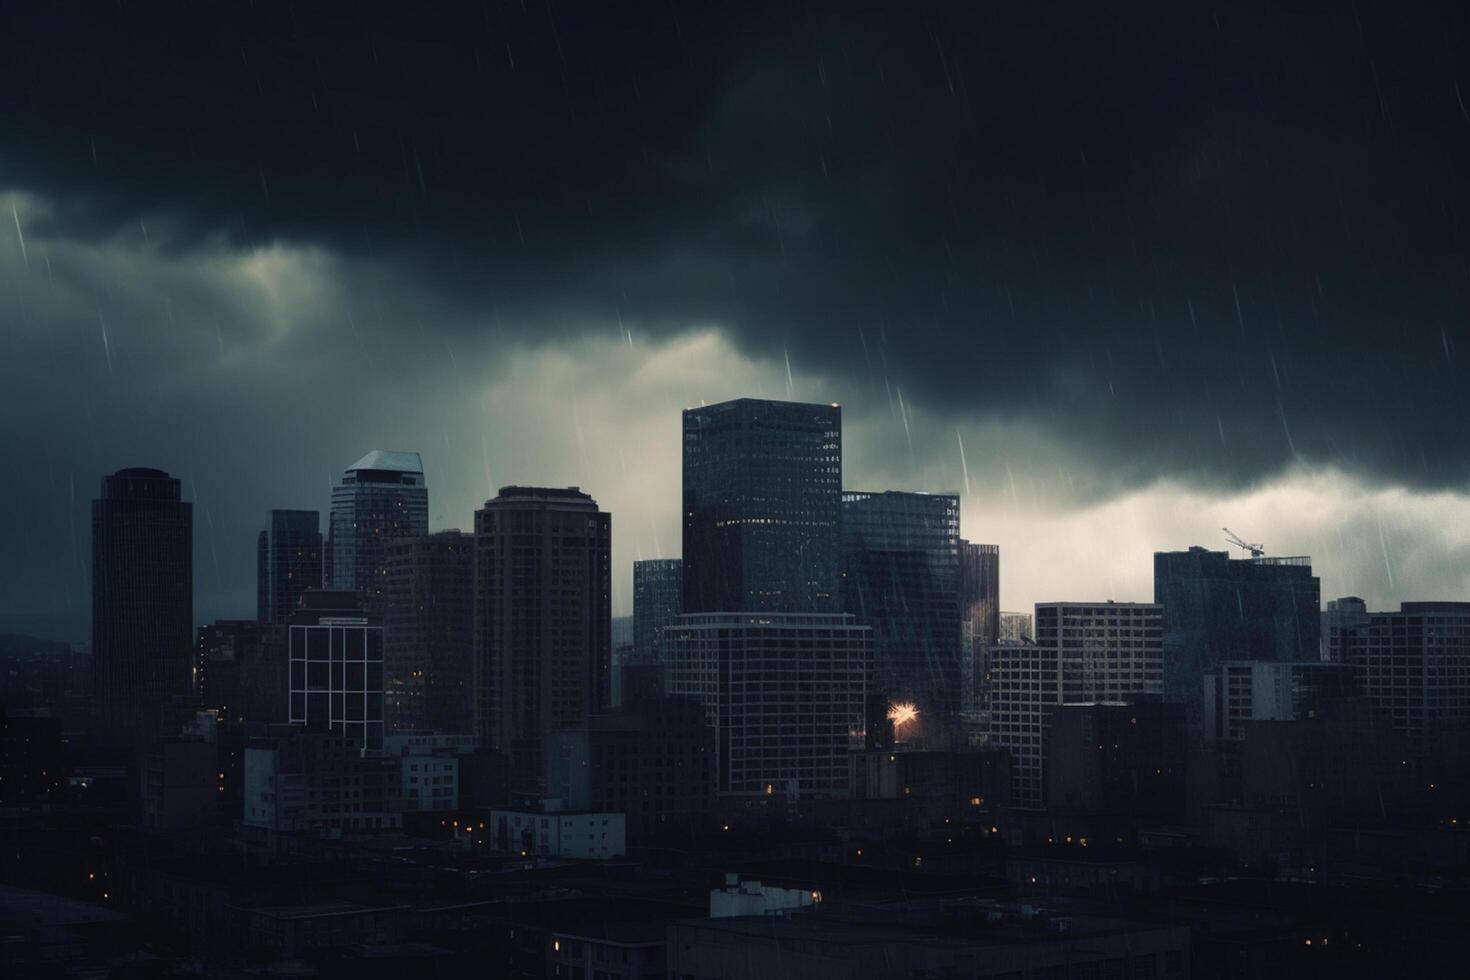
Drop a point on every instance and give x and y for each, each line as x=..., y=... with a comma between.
x=1124, y=760
x=1238, y=691
x=1218, y=608
x=1414, y=667
x=784, y=692
x=980, y=591
x=947, y=785
x=543, y=620
x=336, y=668
x=762, y=498
x=298, y=781
x=1084, y=652
x=658, y=596
x=289, y=561
x=381, y=497
x=901, y=576
x=181, y=786
x=242, y=670
x=639, y=679
x=142, y=599
x=428, y=633
x=652, y=761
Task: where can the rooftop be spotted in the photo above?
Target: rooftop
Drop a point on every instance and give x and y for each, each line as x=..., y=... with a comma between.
x=390, y=460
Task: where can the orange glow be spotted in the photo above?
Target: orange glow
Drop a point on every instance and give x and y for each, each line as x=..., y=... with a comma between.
x=902, y=714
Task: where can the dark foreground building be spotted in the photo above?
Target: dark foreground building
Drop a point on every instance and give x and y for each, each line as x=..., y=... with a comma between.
x=762, y=499
x=288, y=562
x=428, y=633
x=142, y=599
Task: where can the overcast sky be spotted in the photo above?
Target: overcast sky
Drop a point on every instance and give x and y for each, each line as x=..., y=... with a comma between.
x=1119, y=277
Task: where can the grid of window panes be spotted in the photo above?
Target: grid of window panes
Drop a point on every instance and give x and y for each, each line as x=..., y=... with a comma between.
x=337, y=680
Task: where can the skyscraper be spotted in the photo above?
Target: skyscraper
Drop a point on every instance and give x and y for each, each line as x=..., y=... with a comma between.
x=381, y=497
x=900, y=575
x=658, y=597
x=1084, y=652
x=980, y=592
x=336, y=661
x=289, y=563
x=762, y=500
x=142, y=599
x=543, y=621
x=1217, y=608
x=428, y=633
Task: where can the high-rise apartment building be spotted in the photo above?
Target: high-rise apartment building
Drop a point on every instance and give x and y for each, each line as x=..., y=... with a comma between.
x=1084, y=652
x=1218, y=608
x=1239, y=691
x=784, y=692
x=658, y=597
x=900, y=575
x=1414, y=667
x=762, y=501
x=428, y=633
x=289, y=561
x=542, y=620
x=336, y=668
x=142, y=599
x=381, y=497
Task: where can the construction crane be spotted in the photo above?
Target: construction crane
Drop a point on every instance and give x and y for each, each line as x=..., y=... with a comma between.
x=1256, y=550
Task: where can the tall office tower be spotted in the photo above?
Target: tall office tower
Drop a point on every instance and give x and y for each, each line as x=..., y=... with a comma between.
x=1414, y=667
x=1218, y=608
x=900, y=575
x=1017, y=627
x=428, y=633
x=336, y=675
x=289, y=562
x=658, y=597
x=142, y=599
x=980, y=592
x=1084, y=652
x=543, y=621
x=762, y=501
x=381, y=497
x=1340, y=616
x=784, y=692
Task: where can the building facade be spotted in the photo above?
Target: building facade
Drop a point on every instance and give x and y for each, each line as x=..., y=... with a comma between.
x=785, y=694
x=428, y=633
x=542, y=620
x=762, y=505
x=1414, y=667
x=336, y=669
x=288, y=562
x=242, y=667
x=1084, y=652
x=1218, y=608
x=900, y=575
x=142, y=600
x=1240, y=691
x=658, y=597
x=382, y=496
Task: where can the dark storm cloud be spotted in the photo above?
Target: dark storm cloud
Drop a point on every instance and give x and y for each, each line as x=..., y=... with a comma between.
x=1200, y=243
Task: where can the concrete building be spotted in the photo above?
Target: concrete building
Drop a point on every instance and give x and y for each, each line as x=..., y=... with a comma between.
x=1017, y=627
x=241, y=670
x=658, y=597
x=1340, y=616
x=652, y=761
x=901, y=576
x=747, y=897
x=570, y=835
x=142, y=601
x=336, y=668
x=288, y=562
x=430, y=763
x=1118, y=760
x=1414, y=667
x=784, y=693
x=762, y=499
x=181, y=785
x=428, y=633
x=298, y=781
x=382, y=496
x=1218, y=608
x=1084, y=652
x=543, y=622
x=1238, y=691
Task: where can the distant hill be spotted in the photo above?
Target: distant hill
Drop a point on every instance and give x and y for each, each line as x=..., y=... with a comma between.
x=20, y=645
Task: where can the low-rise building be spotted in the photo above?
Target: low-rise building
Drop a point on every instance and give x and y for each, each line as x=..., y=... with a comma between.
x=567, y=834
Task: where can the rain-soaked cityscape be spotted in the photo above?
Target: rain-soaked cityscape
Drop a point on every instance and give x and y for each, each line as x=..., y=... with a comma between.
x=700, y=490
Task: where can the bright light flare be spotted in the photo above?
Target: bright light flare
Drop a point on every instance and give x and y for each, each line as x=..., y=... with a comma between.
x=902, y=714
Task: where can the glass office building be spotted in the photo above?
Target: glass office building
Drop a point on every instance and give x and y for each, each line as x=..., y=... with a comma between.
x=381, y=497
x=336, y=668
